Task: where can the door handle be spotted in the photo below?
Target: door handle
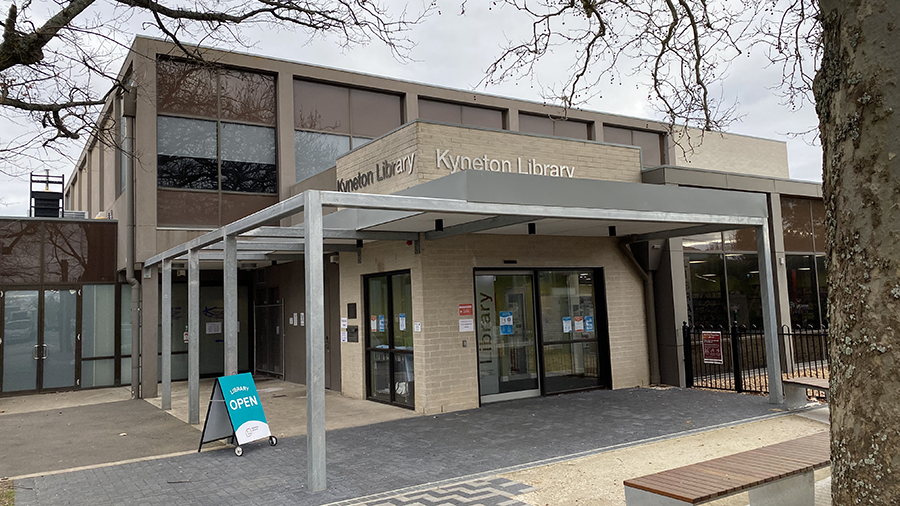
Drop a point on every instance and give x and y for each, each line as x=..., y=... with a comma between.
x=46, y=351
x=34, y=353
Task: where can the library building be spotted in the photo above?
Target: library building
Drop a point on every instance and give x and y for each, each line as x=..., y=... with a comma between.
x=444, y=248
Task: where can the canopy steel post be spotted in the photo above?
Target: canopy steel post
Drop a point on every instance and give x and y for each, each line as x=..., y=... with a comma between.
x=166, y=311
x=194, y=336
x=315, y=341
x=770, y=324
x=229, y=266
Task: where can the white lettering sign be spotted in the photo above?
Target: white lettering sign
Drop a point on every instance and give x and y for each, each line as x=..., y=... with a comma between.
x=456, y=163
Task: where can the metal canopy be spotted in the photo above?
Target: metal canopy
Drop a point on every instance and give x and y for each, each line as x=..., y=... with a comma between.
x=466, y=202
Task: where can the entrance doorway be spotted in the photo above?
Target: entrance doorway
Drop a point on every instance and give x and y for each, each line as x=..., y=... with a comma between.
x=389, y=339
x=565, y=348
x=41, y=340
x=269, y=339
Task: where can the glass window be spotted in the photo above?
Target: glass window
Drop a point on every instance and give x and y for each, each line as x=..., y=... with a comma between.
x=401, y=298
x=707, y=302
x=317, y=152
x=739, y=240
x=818, y=219
x=98, y=373
x=703, y=242
x=186, y=154
x=125, y=330
x=247, y=97
x=744, y=299
x=482, y=117
x=571, y=129
x=822, y=274
x=79, y=252
x=444, y=112
x=532, y=124
x=803, y=294
x=321, y=107
x=185, y=88
x=20, y=252
x=98, y=321
x=373, y=113
x=615, y=135
x=248, y=159
x=796, y=224
x=649, y=142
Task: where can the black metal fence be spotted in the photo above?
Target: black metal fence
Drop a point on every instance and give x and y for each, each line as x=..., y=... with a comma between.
x=734, y=358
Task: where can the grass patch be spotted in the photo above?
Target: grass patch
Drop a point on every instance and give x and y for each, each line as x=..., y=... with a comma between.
x=7, y=493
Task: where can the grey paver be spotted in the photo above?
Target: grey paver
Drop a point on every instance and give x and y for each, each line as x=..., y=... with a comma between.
x=398, y=458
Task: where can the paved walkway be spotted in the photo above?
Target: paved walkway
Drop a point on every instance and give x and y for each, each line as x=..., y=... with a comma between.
x=373, y=462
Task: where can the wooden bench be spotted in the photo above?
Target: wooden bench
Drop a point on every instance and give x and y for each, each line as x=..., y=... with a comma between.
x=779, y=474
x=795, y=390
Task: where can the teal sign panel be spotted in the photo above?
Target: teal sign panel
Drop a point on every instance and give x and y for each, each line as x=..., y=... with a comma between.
x=235, y=410
x=247, y=416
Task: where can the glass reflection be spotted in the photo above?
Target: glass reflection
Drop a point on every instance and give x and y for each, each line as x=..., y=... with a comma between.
x=187, y=154
x=20, y=252
x=20, y=340
x=744, y=299
x=317, y=152
x=247, y=96
x=739, y=240
x=796, y=224
x=803, y=294
x=706, y=289
x=185, y=88
x=703, y=242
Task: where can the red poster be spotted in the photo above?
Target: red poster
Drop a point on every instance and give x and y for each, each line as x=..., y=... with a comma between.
x=712, y=348
x=466, y=310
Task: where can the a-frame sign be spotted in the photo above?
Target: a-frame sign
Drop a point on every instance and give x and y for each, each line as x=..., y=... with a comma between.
x=236, y=413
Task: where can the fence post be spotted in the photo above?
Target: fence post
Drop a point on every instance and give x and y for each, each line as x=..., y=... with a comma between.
x=736, y=358
x=688, y=355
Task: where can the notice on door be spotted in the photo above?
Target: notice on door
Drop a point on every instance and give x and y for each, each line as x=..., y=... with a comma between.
x=402, y=319
x=579, y=324
x=712, y=347
x=506, y=323
x=373, y=323
x=567, y=324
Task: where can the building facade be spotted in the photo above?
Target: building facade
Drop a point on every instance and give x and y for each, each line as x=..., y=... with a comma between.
x=193, y=148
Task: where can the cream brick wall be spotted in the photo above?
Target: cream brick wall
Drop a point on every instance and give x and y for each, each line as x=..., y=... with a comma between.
x=725, y=152
x=424, y=141
x=442, y=276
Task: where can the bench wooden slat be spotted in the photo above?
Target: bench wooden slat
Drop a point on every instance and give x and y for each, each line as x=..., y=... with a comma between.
x=724, y=476
x=812, y=383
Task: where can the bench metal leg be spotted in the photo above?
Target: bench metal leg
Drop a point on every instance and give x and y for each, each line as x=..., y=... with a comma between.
x=635, y=497
x=799, y=490
x=795, y=396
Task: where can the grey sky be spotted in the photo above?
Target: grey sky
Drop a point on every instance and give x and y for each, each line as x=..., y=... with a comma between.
x=453, y=51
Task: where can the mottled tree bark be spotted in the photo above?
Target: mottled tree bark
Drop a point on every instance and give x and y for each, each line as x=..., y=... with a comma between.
x=857, y=95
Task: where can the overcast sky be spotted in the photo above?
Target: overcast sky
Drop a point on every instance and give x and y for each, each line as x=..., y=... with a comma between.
x=454, y=51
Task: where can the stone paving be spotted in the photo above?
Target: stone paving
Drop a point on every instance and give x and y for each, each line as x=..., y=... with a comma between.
x=404, y=456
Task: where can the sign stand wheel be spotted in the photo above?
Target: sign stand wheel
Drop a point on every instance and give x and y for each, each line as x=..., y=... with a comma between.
x=238, y=451
x=273, y=440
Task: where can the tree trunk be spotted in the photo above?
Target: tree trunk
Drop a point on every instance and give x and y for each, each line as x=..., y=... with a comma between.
x=857, y=93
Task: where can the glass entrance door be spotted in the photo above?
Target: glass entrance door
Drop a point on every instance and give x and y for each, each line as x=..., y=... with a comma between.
x=40, y=340
x=505, y=329
x=21, y=350
x=389, y=339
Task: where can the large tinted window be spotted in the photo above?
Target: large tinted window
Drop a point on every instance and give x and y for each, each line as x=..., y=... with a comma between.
x=556, y=127
x=651, y=143
x=186, y=153
x=460, y=114
x=248, y=159
x=330, y=120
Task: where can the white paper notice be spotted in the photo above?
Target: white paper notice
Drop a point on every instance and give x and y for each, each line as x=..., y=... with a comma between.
x=402, y=322
x=467, y=325
x=567, y=324
x=214, y=328
x=343, y=322
x=373, y=324
x=344, y=336
x=579, y=324
x=417, y=326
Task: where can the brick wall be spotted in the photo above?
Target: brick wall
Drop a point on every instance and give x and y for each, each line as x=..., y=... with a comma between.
x=442, y=277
